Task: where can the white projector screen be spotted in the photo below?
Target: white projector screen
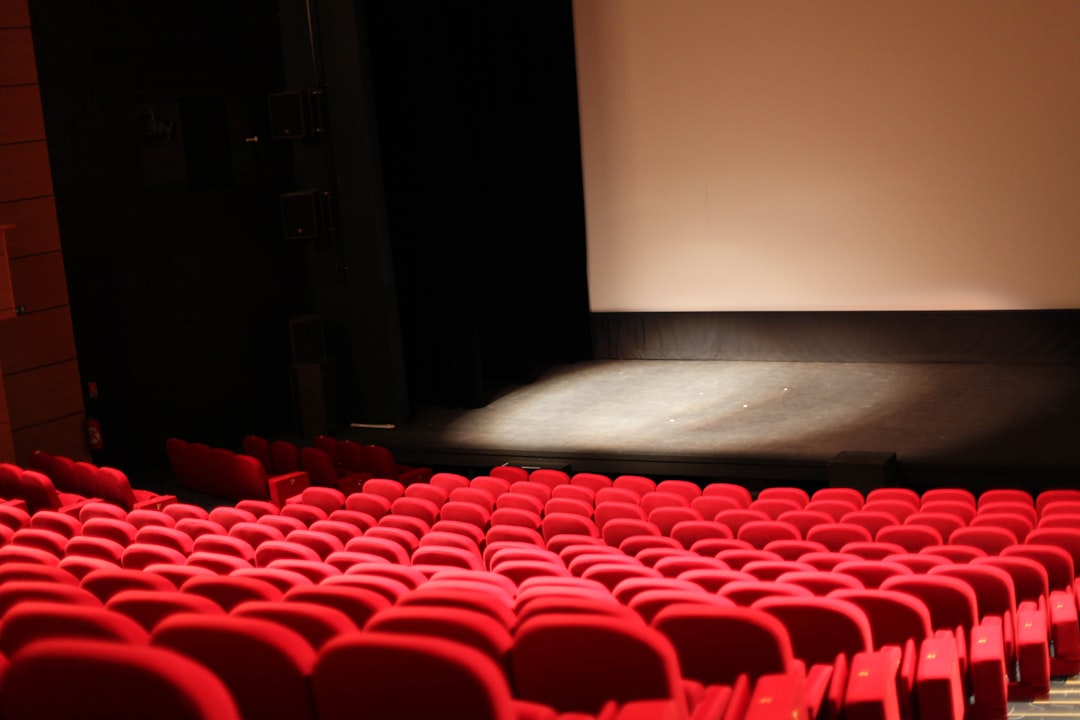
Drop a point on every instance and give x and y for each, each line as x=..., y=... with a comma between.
x=782, y=155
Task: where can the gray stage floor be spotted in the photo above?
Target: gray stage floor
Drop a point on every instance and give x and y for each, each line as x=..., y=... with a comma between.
x=990, y=423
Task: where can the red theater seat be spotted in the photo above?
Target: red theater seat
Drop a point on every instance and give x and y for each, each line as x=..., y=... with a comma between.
x=470, y=627
x=258, y=447
x=57, y=522
x=13, y=517
x=747, y=592
x=634, y=483
x=40, y=494
x=996, y=516
x=1066, y=538
x=105, y=583
x=549, y=477
x=32, y=621
x=845, y=494
x=805, y=519
x=948, y=494
x=284, y=456
x=110, y=680
x=318, y=624
x=324, y=472
x=31, y=571
x=408, y=676
x=820, y=628
x=614, y=494
x=493, y=486
x=912, y=537
x=314, y=570
x=575, y=492
x=1049, y=496
x=578, y=663
x=15, y=592
x=359, y=604
x=1010, y=495
x=608, y=511
x=431, y=493
x=194, y=527
x=48, y=540
x=989, y=540
x=594, y=481
x=281, y=578
x=797, y=495
x=836, y=509
x=617, y=530
x=451, y=481
x=648, y=603
x=738, y=493
x=168, y=537
x=776, y=505
x=113, y=486
x=307, y=514
x=760, y=533
x=961, y=509
x=562, y=523
x=508, y=472
x=735, y=519
x=150, y=607
x=265, y=667
x=717, y=644
x=230, y=591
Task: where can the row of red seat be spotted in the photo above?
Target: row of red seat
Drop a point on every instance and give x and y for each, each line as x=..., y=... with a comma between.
x=223, y=473
x=85, y=479
x=329, y=462
x=33, y=490
x=278, y=469
x=388, y=533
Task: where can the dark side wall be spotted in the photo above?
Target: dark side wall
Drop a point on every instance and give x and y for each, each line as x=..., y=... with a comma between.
x=181, y=284
x=451, y=157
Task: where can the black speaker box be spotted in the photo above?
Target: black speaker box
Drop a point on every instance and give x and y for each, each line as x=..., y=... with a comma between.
x=301, y=214
x=290, y=115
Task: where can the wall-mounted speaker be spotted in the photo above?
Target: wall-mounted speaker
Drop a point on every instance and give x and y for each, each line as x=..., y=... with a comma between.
x=305, y=214
x=289, y=115
x=295, y=115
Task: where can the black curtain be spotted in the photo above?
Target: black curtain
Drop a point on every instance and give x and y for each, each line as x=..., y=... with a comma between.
x=477, y=119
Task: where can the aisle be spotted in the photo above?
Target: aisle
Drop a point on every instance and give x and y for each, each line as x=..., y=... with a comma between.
x=1064, y=702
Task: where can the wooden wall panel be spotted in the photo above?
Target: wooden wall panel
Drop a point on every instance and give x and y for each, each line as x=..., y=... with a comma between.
x=61, y=436
x=44, y=402
x=36, y=230
x=36, y=339
x=21, y=119
x=14, y=13
x=43, y=405
x=17, y=65
x=26, y=171
x=38, y=282
x=43, y=394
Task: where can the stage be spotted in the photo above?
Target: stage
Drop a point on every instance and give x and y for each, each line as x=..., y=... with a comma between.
x=761, y=423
